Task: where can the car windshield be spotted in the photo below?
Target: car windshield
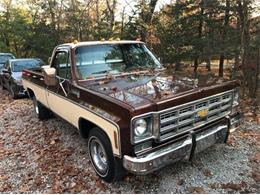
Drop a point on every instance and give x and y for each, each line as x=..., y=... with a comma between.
x=4, y=58
x=18, y=66
x=98, y=60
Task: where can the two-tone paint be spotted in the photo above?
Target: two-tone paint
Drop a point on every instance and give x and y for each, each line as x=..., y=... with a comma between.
x=85, y=99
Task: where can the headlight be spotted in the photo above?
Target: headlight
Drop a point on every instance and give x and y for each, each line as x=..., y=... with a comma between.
x=236, y=98
x=140, y=127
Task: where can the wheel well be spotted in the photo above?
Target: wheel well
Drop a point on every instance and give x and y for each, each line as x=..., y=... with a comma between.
x=85, y=126
x=30, y=93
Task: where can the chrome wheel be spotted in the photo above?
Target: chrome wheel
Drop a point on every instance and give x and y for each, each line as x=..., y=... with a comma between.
x=36, y=107
x=98, y=156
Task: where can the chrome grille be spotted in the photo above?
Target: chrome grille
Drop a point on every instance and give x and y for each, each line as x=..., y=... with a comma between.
x=185, y=117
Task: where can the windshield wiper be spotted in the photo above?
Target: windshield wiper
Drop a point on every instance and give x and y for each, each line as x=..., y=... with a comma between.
x=101, y=72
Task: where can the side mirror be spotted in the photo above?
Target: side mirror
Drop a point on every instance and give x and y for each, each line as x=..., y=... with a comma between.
x=50, y=76
x=6, y=71
x=49, y=60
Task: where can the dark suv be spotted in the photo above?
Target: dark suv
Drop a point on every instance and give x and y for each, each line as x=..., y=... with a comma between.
x=11, y=74
x=4, y=57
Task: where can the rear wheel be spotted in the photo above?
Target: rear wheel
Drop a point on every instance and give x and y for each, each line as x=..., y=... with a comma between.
x=41, y=111
x=102, y=158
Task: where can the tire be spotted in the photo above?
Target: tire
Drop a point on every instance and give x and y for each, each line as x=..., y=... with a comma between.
x=1, y=85
x=12, y=91
x=106, y=166
x=41, y=111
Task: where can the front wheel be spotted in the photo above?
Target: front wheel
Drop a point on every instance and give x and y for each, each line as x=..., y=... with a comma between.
x=41, y=111
x=1, y=85
x=102, y=158
x=13, y=92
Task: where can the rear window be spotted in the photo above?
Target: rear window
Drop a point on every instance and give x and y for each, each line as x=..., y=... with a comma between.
x=18, y=66
x=4, y=58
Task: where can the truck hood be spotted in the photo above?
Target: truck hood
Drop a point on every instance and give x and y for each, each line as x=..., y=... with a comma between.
x=140, y=90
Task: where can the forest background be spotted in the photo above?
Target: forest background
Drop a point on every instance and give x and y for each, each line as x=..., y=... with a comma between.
x=220, y=34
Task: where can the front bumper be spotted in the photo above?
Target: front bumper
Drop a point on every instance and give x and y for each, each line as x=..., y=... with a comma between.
x=19, y=90
x=234, y=121
x=185, y=149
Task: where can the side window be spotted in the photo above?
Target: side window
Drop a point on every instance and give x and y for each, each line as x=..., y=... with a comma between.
x=7, y=66
x=62, y=64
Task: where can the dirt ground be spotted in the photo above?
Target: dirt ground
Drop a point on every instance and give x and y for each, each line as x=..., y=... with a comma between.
x=50, y=157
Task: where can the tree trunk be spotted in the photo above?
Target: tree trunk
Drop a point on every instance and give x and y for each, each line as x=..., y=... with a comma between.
x=196, y=60
x=236, y=64
x=221, y=65
x=208, y=64
x=245, y=39
x=257, y=74
x=111, y=9
x=223, y=38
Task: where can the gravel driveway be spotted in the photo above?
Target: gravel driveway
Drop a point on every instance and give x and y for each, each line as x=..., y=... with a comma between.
x=50, y=157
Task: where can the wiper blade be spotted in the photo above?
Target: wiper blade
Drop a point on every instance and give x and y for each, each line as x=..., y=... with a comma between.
x=101, y=72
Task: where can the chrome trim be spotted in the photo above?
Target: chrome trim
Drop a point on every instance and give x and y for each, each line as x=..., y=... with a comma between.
x=156, y=132
x=234, y=122
x=181, y=150
x=224, y=107
x=132, y=129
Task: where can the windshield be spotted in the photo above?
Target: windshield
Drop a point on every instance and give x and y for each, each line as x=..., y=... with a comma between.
x=98, y=60
x=4, y=58
x=18, y=66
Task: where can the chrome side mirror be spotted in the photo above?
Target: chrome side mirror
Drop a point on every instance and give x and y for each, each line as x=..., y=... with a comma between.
x=49, y=60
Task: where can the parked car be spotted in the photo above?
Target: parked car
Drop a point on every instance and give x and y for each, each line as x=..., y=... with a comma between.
x=11, y=74
x=136, y=115
x=3, y=59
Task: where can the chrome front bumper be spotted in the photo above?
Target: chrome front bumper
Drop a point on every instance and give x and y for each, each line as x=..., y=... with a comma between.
x=234, y=122
x=184, y=149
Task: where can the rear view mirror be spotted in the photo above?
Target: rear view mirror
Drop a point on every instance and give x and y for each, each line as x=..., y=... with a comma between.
x=50, y=76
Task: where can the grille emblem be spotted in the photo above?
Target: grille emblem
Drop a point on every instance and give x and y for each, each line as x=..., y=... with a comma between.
x=203, y=112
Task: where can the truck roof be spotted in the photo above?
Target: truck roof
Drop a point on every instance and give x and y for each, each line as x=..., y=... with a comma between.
x=23, y=59
x=86, y=43
x=9, y=54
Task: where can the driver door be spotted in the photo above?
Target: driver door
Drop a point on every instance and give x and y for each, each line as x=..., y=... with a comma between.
x=57, y=95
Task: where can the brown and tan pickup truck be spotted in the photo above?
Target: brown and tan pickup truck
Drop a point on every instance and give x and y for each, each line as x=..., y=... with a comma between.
x=136, y=115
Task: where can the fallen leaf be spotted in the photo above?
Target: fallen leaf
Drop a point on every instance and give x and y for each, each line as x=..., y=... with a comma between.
x=100, y=185
x=5, y=187
x=207, y=173
x=196, y=190
x=180, y=182
x=233, y=186
x=4, y=177
x=214, y=185
x=52, y=142
x=38, y=181
x=24, y=188
x=256, y=158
